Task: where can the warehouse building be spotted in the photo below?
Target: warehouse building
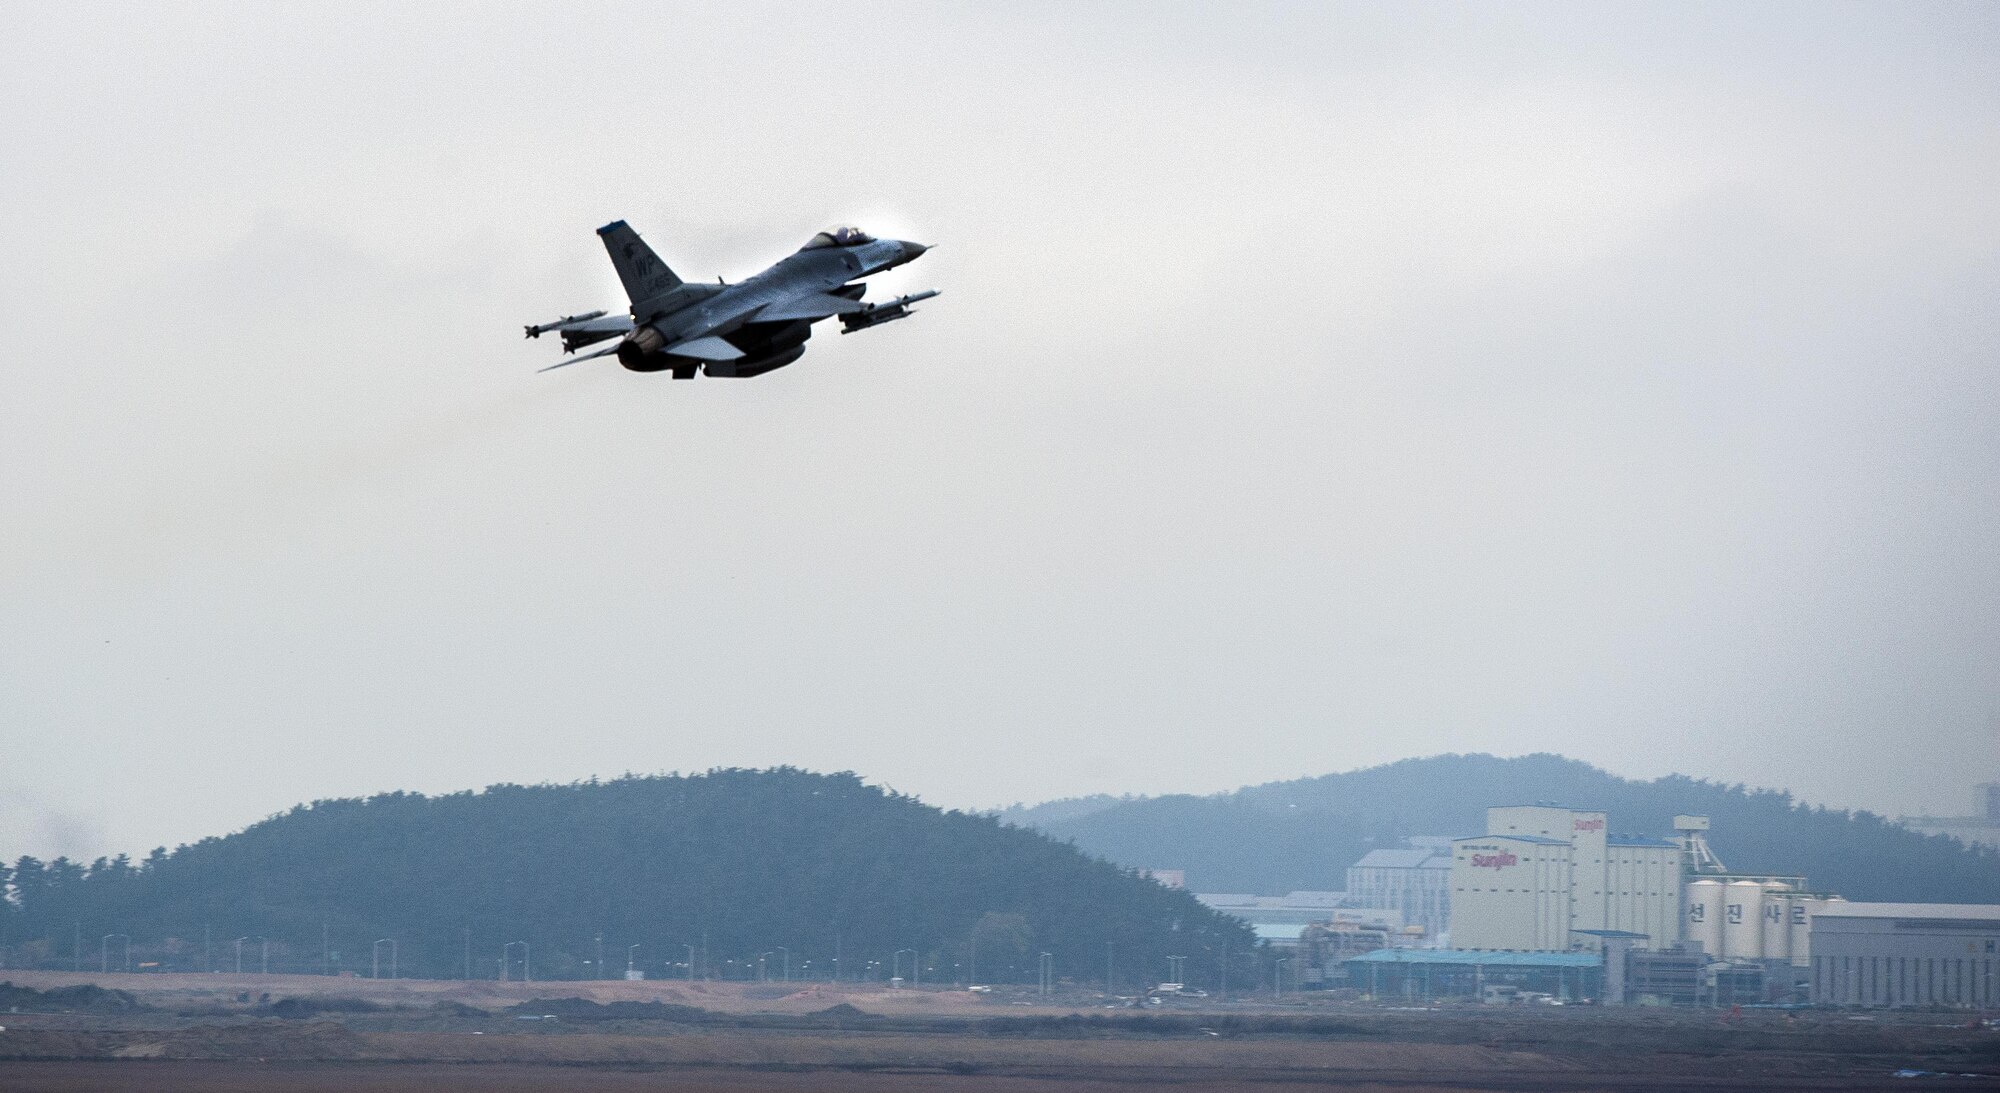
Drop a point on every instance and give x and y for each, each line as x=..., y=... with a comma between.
x=1906, y=954
x=1414, y=881
x=1542, y=874
x=1282, y=920
x=1422, y=975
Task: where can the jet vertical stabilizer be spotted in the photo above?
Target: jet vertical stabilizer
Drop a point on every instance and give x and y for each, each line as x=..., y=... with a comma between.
x=647, y=280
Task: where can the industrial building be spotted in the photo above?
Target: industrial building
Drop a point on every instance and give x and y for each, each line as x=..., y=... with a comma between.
x=1906, y=954
x=1544, y=873
x=1281, y=920
x=1414, y=881
x=1982, y=828
x=1421, y=975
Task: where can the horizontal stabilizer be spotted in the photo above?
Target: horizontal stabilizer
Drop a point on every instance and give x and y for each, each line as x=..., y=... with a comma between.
x=710, y=348
x=605, y=352
x=812, y=305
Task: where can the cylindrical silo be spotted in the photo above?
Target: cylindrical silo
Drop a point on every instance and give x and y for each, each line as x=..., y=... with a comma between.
x=1743, y=920
x=1704, y=915
x=1777, y=922
x=1802, y=911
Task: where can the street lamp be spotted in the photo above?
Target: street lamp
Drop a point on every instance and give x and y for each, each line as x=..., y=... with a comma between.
x=896, y=964
x=104, y=951
x=690, y=950
x=375, y=956
x=763, y=969
x=787, y=954
x=630, y=951
x=239, y=954
x=1046, y=972
x=264, y=946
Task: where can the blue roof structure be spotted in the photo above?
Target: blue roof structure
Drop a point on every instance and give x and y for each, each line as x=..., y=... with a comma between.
x=1517, y=838
x=1640, y=840
x=1474, y=956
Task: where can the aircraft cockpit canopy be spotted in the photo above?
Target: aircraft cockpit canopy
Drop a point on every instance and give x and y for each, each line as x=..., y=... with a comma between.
x=838, y=237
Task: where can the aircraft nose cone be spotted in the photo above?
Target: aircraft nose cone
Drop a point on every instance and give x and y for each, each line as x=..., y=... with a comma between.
x=913, y=249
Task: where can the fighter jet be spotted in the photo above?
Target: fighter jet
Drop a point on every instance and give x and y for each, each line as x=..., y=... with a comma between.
x=745, y=329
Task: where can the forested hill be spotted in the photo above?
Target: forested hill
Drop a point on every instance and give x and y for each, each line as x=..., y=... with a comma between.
x=807, y=868
x=1303, y=834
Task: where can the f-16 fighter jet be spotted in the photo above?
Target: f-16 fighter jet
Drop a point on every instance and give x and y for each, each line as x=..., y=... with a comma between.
x=744, y=329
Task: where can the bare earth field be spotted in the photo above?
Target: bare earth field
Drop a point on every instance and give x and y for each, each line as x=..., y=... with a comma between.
x=191, y=1032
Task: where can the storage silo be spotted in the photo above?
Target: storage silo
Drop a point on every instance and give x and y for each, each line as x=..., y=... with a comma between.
x=1743, y=920
x=1704, y=915
x=1802, y=911
x=1777, y=921
x=1807, y=909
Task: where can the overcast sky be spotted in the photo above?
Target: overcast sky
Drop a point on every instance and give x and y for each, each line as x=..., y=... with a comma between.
x=1313, y=386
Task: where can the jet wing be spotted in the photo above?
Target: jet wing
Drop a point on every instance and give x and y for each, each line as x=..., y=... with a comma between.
x=812, y=305
x=610, y=324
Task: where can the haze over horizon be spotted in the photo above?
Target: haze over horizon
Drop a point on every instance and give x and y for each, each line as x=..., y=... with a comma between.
x=1313, y=386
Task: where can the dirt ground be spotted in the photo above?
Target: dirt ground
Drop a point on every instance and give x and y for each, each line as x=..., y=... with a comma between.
x=171, y=989
x=193, y=1033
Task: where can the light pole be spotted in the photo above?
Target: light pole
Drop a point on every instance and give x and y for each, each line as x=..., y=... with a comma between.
x=630, y=951
x=104, y=951
x=600, y=955
x=1046, y=969
x=1174, y=966
x=507, y=950
x=690, y=950
x=896, y=963
x=763, y=970
x=264, y=947
x=239, y=954
x=375, y=955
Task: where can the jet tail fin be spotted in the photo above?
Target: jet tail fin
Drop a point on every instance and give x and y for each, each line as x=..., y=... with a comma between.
x=645, y=277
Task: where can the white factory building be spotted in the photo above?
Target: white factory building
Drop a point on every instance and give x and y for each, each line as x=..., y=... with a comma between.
x=1414, y=881
x=1543, y=873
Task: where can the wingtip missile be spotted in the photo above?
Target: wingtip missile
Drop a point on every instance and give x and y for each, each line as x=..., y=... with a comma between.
x=536, y=331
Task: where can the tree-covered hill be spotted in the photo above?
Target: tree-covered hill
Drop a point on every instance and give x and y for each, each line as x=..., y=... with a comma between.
x=782, y=865
x=1303, y=834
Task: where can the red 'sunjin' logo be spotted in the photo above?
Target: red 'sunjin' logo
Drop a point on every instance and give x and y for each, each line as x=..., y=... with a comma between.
x=1590, y=825
x=1493, y=861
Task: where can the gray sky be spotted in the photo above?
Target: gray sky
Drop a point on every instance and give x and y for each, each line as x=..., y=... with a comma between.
x=1314, y=387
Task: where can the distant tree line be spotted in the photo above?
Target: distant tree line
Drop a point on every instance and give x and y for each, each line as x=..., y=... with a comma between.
x=1303, y=834
x=733, y=873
